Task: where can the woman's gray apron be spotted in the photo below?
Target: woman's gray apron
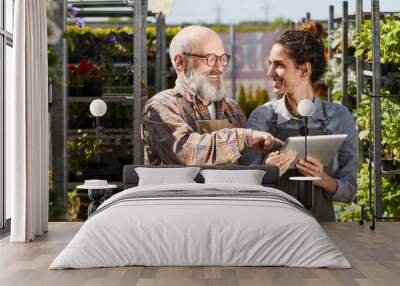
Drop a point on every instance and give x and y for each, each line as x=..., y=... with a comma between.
x=322, y=206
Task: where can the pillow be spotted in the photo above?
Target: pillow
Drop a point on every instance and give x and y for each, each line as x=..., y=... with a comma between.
x=248, y=177
x=163, y=176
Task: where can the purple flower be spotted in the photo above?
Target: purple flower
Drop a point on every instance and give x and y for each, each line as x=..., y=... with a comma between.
x=111, y=39
x=79, y=22
x=72, y=11
x=125, y=37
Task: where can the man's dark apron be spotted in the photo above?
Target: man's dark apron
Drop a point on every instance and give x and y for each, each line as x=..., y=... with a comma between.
x=204, y=126
x=322, y=206
x=208, y=126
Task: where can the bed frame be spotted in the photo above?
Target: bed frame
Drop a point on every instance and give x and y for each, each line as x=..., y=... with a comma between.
x=130, y=178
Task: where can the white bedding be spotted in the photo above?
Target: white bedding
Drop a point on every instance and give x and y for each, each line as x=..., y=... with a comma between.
x=183, y=231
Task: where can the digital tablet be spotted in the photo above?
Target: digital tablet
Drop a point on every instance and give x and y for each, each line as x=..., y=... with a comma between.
x=321, y=147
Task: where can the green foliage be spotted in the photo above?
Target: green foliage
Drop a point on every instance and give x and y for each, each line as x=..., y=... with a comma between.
x=56, y=211
x=115, y=45
x=336, y=38
x=249, y=101
x=390, y=40
x=390, y=116
x=74, y=206
x=80, y=151
x=390, y=121
x=278, y=24
x=53, y=212
x=281, y=24
x=390, y=198
x=363, y=41
x=334, y=79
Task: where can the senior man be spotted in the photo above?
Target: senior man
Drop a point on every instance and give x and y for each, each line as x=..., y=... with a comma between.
x=194, y=123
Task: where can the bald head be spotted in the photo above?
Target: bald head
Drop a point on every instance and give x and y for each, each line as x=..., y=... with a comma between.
x=189, y=51
x=194, y=39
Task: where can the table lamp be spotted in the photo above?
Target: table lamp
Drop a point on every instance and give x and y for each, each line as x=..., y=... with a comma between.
x=98, y=108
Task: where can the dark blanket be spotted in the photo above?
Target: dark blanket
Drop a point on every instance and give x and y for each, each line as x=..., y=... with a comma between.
x=203, y=194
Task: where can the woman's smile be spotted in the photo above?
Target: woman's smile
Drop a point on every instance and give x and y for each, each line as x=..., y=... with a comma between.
x=277, y=82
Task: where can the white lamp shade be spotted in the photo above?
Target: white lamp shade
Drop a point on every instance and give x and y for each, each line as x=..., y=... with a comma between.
x=98, y=107
x=161, y=6
x=305, y=107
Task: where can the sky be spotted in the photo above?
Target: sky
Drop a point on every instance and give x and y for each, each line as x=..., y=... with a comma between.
x=235, y=11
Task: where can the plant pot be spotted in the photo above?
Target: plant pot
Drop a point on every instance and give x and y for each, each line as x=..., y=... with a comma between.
x=81, y=124
x=126, y=123
x=394, y=67
x=71, y=176
x=93, y=89
x=118, y=59
x=384, y=68
x=103, y=171
x=75, y=91
x=74, y=57
x=389, y=165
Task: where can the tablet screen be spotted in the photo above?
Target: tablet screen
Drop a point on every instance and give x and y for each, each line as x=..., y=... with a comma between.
x=322, y=147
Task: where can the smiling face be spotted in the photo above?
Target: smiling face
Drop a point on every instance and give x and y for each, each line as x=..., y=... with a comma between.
x=207, y=80
x=283, y=72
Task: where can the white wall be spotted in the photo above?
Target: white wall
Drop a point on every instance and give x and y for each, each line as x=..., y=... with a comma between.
x=9, y=25
x=8, y=69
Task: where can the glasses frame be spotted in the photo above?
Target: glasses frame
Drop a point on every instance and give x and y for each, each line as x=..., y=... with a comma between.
x=207, y=57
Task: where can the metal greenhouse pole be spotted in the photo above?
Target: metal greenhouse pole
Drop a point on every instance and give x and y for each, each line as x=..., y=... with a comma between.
x=359, y=59
x=144, y=44
x=137, y=9
x=330, y=30
x=59, y=116
x=345, y=54
x=232, y=35
x=376, y=80
x=161, y=54
x=137, y=82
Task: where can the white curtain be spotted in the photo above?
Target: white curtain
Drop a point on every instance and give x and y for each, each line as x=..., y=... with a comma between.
x=27, y=123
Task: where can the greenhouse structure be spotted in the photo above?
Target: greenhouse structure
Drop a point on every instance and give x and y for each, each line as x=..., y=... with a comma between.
x=173, y=142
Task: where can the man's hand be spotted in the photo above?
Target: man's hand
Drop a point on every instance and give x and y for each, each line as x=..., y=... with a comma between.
x=265, y=142
x=281, y=159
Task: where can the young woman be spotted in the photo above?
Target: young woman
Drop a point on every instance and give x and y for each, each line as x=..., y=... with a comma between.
x=296, y=63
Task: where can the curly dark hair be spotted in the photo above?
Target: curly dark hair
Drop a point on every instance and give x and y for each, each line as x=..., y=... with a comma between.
x=305, y=45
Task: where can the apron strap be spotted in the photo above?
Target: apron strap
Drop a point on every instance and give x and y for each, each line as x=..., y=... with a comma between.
x=324, y=123
x=274, y=121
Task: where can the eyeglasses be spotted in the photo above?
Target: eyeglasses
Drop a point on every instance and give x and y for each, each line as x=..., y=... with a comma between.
x=213, y=58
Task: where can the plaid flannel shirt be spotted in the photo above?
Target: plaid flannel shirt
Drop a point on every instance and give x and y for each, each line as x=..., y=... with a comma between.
x=169, y=130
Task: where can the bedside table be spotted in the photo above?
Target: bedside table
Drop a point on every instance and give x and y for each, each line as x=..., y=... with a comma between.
x=96, y=192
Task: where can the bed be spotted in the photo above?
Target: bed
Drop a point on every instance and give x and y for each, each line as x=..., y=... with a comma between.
x=201, y=224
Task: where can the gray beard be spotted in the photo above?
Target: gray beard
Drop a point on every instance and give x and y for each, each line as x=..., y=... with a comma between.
x=203, y=88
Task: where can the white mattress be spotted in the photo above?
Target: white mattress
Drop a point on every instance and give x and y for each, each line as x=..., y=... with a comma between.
x=202, y=231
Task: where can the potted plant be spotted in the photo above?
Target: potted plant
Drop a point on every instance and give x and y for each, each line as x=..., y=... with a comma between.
x=390, y=135
x=390, y=131
x=85, y=79
x=389, y=44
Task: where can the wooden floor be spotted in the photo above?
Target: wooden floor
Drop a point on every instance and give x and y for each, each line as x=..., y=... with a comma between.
x=375, y=256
